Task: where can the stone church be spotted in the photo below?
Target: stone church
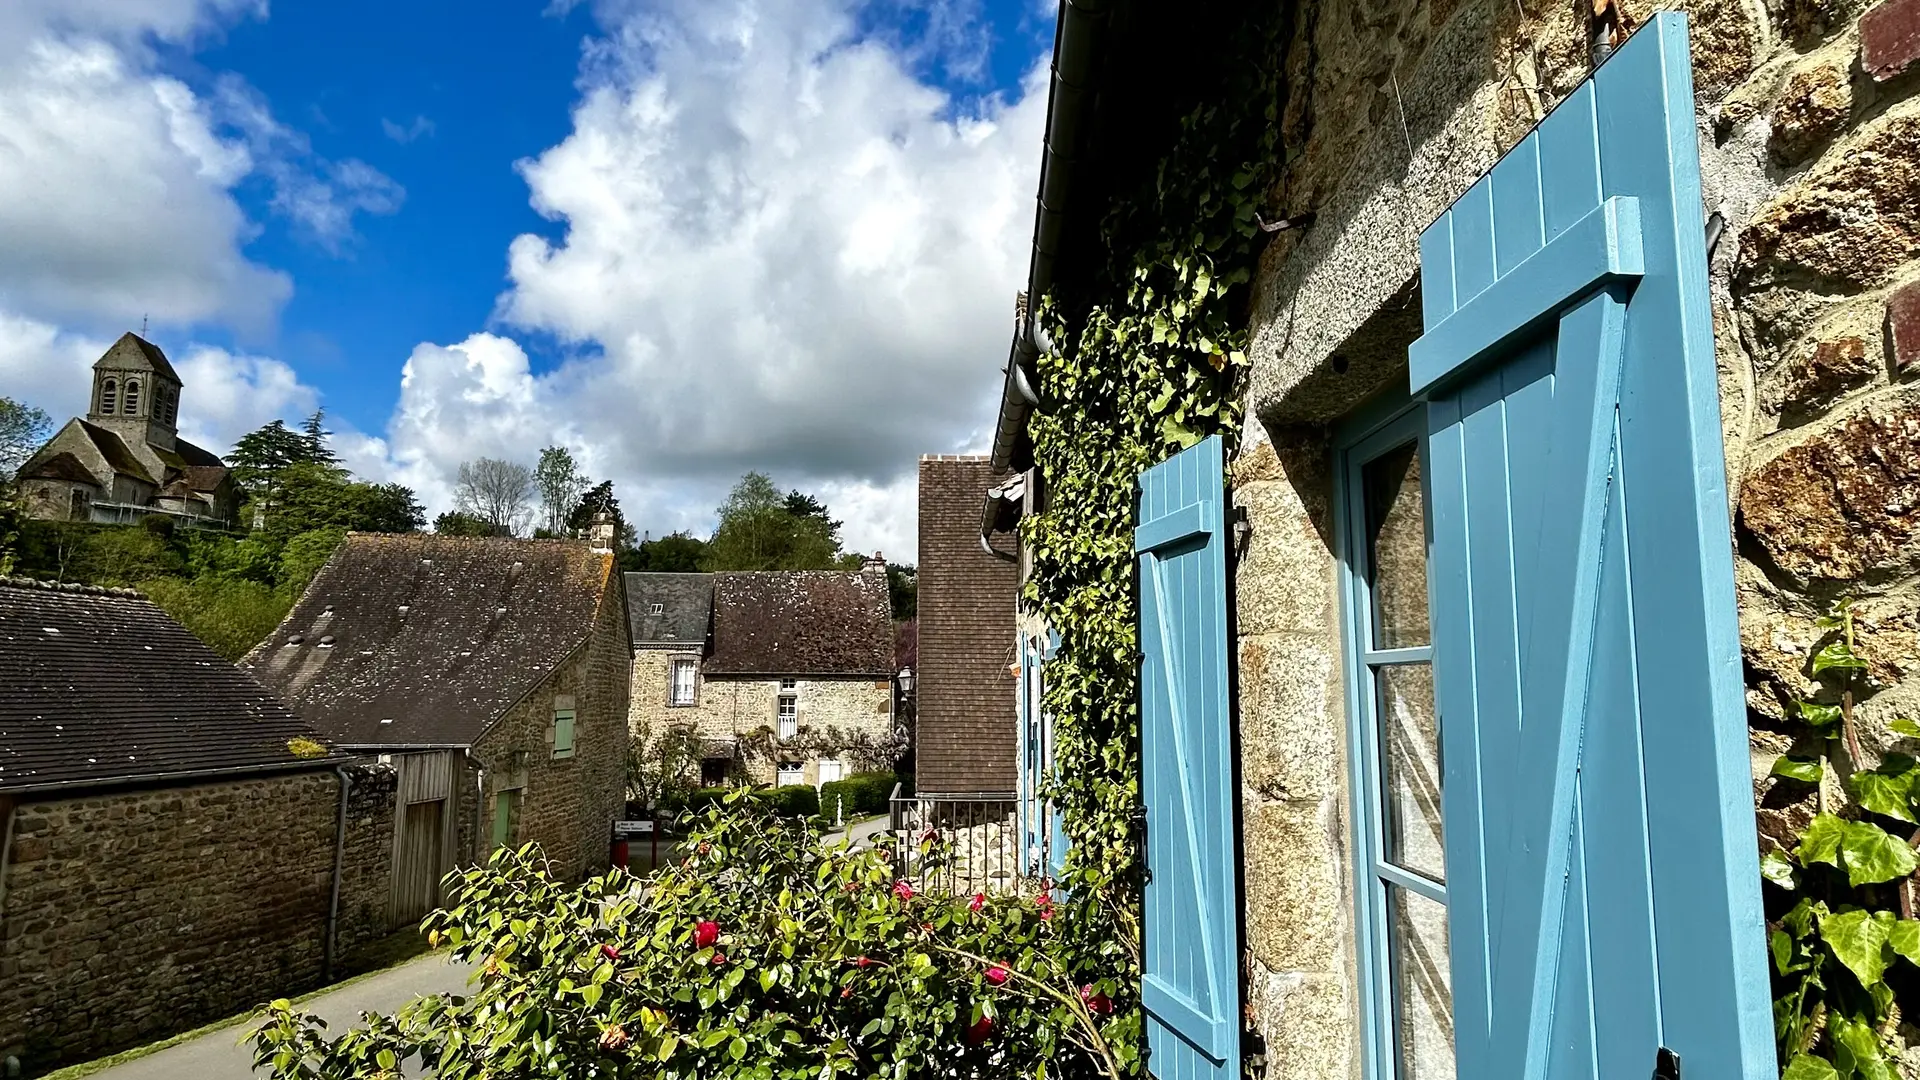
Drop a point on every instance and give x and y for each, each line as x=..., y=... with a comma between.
x=125, y=460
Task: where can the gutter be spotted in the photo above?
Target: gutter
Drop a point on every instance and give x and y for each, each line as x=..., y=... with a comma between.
x=168, y=779
x=1076, y=45
x=339, y=862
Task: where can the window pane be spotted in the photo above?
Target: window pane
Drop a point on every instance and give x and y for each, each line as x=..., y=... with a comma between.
x=1422, y=993
x=1410, y=762
x=1396, y=548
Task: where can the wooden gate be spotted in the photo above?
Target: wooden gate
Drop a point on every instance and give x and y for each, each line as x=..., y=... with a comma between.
x=424, y=821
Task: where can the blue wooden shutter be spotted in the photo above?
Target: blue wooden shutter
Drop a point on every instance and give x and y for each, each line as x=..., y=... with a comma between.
x=1191, y=984
x=1603, y=882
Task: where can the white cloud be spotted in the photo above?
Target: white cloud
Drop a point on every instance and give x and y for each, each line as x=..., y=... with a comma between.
x=782, y=252
x=42, y=365
x=225, y=395
x=406, y=133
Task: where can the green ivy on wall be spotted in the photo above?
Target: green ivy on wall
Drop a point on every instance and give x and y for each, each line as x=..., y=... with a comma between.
x=1840, y=944
x=1154, y=364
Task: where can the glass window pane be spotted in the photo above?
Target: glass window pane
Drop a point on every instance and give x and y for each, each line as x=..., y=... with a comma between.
x=1396, y=548
x=1410, y=762
x=1422, y=991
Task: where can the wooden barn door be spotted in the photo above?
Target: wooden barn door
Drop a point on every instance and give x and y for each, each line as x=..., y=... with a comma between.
x=424, y=831
x=1603, y=882
x=1190, y=987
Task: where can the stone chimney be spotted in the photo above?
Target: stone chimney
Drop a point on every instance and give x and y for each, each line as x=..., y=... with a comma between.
x=600, y=534
x=875, y=565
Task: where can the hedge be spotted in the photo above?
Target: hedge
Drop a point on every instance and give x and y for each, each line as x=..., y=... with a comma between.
x=794, y=800
x=861, y=793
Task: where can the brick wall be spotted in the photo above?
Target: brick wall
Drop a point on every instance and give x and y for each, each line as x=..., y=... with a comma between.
x=130, y=916
x=964, y=728
x=568, y=805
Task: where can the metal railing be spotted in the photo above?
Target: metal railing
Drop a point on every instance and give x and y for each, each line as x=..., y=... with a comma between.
x=961, y=844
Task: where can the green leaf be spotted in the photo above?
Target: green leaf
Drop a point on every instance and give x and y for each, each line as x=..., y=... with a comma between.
x=1872, y=855
x=1805, y=770
x=1836, y=655
x=1857, y=1041
x=1883, y=792
x=1776, y=867
x=1859, y=941
x=386, y=1059
x=1821, y=842
x=1808, y=1067
x=1781, y=944
x=590, y=994
x=1904, y=726
x=1904, y=937
x=1817, y=714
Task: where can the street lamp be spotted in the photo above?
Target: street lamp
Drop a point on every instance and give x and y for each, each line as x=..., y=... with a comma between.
x=905, y=679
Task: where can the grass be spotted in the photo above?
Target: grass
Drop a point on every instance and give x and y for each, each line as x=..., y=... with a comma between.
x=367, y=961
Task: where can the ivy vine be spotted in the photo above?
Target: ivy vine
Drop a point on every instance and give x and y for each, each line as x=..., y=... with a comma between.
x=1154, y=363
x=1844, y=935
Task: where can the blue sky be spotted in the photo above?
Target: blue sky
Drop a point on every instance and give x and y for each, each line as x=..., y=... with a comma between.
x=685, y=237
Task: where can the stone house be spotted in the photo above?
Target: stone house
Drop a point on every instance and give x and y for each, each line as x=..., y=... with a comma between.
x=491, y=672
x=1719, y=208
x=967, y=682
x=126, y=460
x=785, y=676
x=175, y=844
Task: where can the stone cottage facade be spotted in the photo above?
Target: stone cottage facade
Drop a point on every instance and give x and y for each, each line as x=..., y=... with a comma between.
x=491, y=672
x=126, y=460
x=1807, y=122
x=177, y=845
x=786, y=677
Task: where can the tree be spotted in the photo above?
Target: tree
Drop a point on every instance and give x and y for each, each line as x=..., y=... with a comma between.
x=675, y=553
x=598, y=500
x=260, y=457
x=760, y=529
x=389, y=508
x=455, y=523
x=314, y=434
x=903, y=589
x=23, y=429
x=561, y=484
x=494, y=491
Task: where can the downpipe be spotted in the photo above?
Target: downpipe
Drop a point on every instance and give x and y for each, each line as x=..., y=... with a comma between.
x=339, y=863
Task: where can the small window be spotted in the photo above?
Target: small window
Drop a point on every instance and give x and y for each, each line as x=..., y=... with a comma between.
x=132, y=406
x=109, y=397
x=656, y=609
x=787, y=686
x=681, y=690
x=789, y=716
x=562, y=733
x=714, y=770
x=790, y=774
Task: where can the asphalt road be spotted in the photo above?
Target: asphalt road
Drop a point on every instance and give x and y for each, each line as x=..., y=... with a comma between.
x=225, y=1055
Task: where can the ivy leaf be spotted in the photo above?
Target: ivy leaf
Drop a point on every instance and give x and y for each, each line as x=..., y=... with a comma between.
x=1781, y=944
x=1821, y=842
x=1805, y=770
x=1859, y=941
x=1904, y=937
x=1808, y=1067
x=1886, y=790
x=1872, y=855
x=1777, y=868
x=1906, y=727
x=1856, y=1041
x=1836, y=655
x=1816, y=714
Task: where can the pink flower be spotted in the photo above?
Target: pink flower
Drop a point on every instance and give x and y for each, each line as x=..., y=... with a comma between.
x=977, y=1034
x=996, y=974
x=719, y=958
x=903, y=890
x=979, y=901
x=609, y=952
x=1045, y=904
x=865, y=961
x=846, y=991
x=705, y=933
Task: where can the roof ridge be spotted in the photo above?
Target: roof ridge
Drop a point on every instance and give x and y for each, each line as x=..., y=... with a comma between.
x=954, y=457
x=17, y=582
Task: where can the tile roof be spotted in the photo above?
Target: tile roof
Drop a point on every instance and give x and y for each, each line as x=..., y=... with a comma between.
x=61, y=466
x=801, y=622
x=418, y=640
x=136, y=352
x=119, y=458
x=99, y=686
x=686, y=608
x=966, y=719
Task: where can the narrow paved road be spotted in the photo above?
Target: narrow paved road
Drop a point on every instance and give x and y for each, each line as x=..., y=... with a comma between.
x=221, y=1054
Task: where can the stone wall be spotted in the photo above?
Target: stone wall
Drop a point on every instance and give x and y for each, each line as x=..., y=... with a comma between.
x=129, y=916
x=567, y=805
x=1810, y=140
x=744, y=710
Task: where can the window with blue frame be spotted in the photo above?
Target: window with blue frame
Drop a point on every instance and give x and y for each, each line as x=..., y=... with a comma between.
x=1394, y=735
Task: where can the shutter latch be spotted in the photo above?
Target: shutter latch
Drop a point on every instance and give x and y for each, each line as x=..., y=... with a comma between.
x=1666, y=1065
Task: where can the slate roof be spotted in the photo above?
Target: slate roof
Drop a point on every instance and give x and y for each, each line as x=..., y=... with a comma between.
x=61, y=466
x=967, y=703
x=135, y=352
x=99, y=686
x=119, y=458
x=801, y=622
x=686, y=608
x=423, y=640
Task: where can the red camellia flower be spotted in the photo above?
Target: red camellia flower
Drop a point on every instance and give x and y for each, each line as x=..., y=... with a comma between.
x=979, y=901
x=705, y=933
x=719, y=958
x=1097, y=1004
x=903, y=890
x=996, y=974
x=609, y=952
x=977, y=1034
x=865, y=961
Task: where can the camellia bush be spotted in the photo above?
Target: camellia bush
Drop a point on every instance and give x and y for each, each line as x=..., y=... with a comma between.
x=763, y=954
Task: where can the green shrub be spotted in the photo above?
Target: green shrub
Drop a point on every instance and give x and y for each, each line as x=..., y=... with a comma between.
x=795, y=800
x=230, y=615
x=861, y=793
x=763, y=954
